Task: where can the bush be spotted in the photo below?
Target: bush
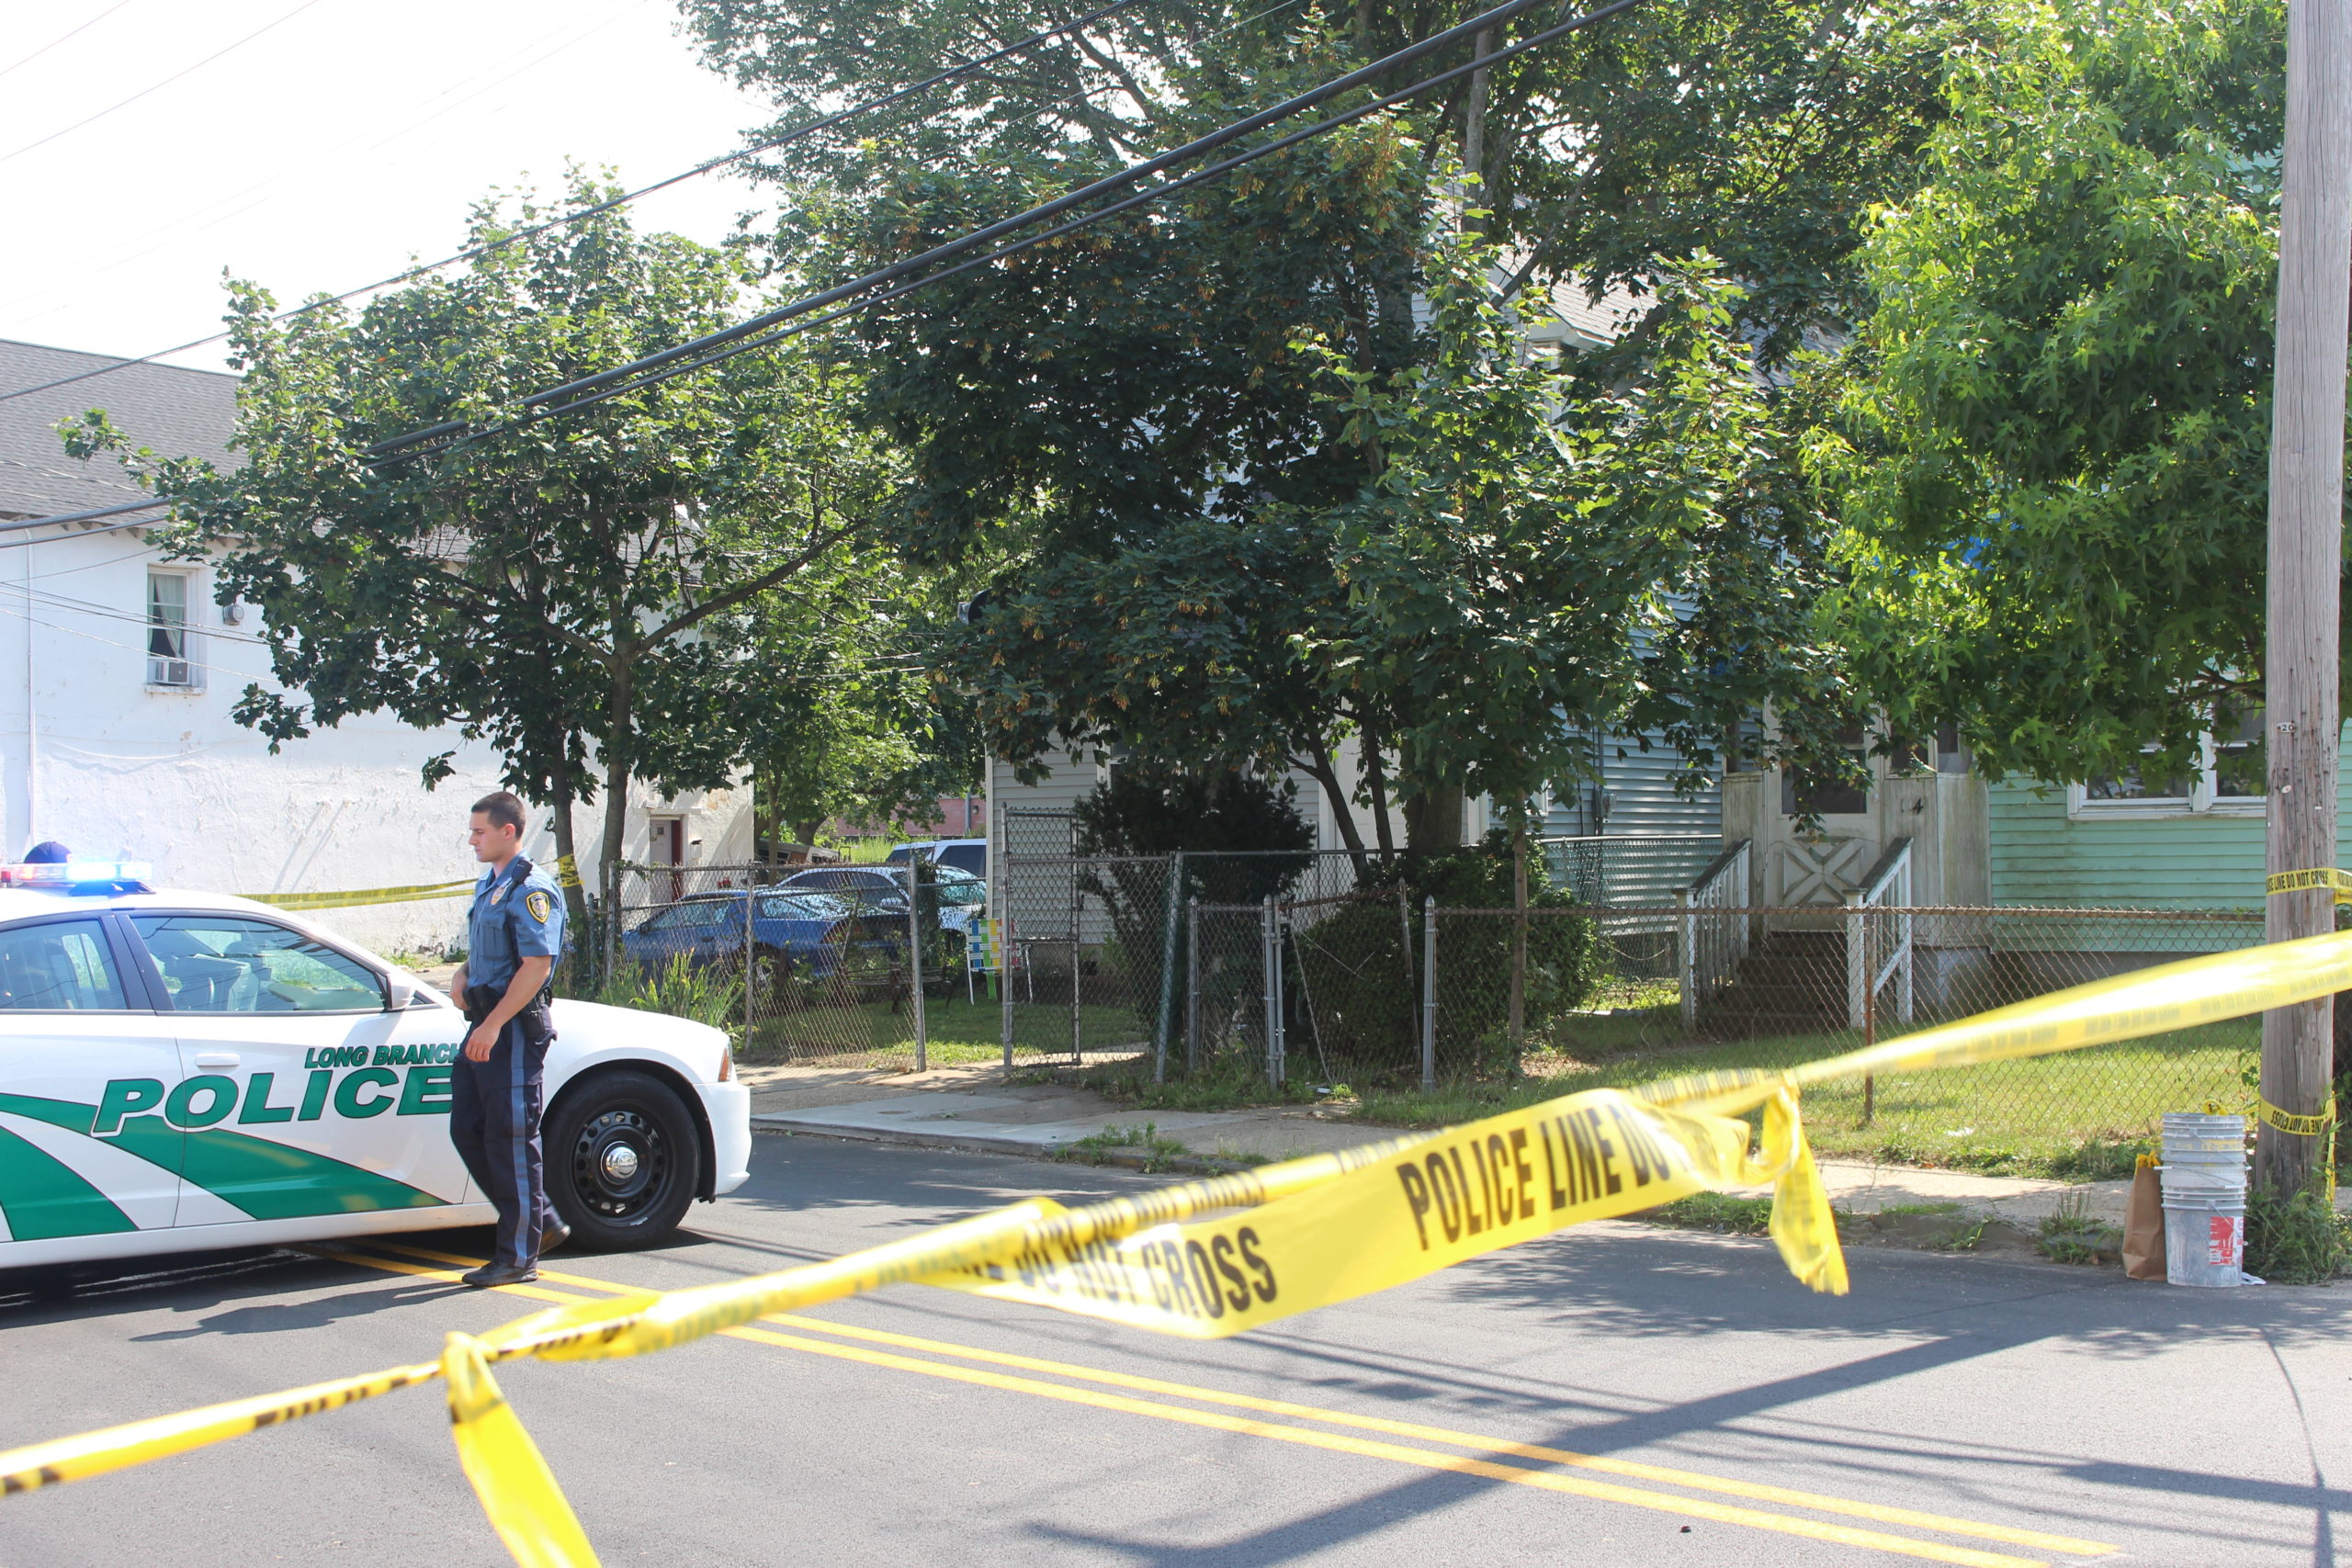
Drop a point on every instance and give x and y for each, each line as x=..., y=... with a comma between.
x=2296, y=1240
x=1148, y=810
x=1360, y=967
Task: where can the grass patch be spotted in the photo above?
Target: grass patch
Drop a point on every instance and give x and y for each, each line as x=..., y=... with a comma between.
x=2298, y=1240
x=2076, y=1116
x=1104, y=1147
x=2070, y=1235
x=1717, y=1212
x=959, y=1031
x=1227, y=1084
x=1960, y=1238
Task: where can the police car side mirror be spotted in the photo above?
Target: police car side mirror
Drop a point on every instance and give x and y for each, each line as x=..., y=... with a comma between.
x=400, y=992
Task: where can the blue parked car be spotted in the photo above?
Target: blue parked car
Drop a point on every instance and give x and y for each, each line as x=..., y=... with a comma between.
x=814, y=931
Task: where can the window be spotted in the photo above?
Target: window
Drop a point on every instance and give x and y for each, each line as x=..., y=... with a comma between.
x=58, y=967
x=168, y=663
x=2240, y=763
x=1804, y=793
x=226, y=963
x=693, y=914
x=2228, y=781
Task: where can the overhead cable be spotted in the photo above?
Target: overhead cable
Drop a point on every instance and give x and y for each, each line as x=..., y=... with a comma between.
x=1223, y=135
x=158, y=87
x=747, y=336
x=797, y=133
x=75, y=32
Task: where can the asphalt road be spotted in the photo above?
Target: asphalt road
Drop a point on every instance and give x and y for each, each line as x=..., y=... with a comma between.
x=1725, y=1417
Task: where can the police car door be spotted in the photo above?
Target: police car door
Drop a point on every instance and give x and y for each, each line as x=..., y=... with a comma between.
x=86, y=1068
x=303, y=1094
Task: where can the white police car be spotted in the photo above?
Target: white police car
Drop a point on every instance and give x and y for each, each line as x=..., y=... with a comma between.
x=183, y=1070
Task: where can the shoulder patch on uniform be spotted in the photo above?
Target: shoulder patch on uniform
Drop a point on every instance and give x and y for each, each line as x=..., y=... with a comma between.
x=540, y=906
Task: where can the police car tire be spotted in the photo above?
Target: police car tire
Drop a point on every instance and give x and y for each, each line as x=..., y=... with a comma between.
x=623, y=1161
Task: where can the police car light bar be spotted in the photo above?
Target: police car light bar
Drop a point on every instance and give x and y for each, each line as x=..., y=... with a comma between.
x=70, y=874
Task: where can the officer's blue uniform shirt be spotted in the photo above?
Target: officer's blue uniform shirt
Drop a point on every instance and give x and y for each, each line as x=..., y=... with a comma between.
x=514, y=916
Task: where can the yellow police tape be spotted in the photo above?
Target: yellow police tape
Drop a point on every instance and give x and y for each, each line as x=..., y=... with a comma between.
x=567, y=872
x=1229, y=1253
x=363, y=896
x=2336, y=881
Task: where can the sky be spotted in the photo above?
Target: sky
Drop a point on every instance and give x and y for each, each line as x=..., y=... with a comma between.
x=329, y=144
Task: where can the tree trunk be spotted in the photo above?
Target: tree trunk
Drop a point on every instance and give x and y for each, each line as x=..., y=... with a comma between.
x=1474, y=134
x=1375, y=778
x=1433, y=819
x=1319, y=767
x=575, y=897
x=618, y=733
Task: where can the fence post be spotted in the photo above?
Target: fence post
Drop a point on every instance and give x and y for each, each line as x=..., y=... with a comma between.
x=1429, y=993
x=1518, y=947
x=1858, y=962
x=1077, y=966
x=1166, y=971
x=1000, y=894
x=750, y=961
x=1268, y=945
x=1193, y=984
x=914, y=963
x=1686, y=956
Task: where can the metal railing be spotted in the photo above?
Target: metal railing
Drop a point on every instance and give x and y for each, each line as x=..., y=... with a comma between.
x=1878, y=940
x=1710, y=951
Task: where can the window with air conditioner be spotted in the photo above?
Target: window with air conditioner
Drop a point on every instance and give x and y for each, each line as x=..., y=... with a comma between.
x=169, y=661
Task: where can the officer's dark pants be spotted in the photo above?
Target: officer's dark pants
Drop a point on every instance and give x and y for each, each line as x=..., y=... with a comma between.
x=495, y=1122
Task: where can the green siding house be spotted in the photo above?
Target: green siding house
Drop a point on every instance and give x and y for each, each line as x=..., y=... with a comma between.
x=2193, y=843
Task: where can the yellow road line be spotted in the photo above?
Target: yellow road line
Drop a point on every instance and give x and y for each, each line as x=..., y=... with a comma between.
x=1430, y=1458
x=1880, y=1513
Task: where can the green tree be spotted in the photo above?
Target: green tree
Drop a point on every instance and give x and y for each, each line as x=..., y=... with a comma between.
x=869, y=733
x=580, y=592
x=2052, y=433
x=1123, y=419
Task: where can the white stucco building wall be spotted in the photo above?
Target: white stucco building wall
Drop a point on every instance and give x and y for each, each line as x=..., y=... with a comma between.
x=98, y=753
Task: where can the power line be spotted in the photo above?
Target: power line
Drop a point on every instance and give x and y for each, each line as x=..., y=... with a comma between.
x=748, y=336
x=487, y=78
x=158, y=87
x=797, y=133
x=63, y=36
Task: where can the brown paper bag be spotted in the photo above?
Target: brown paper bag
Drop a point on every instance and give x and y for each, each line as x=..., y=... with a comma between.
x=2143, y=1227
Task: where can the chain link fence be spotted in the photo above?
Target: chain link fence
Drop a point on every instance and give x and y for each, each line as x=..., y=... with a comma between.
x=1623, y=995
x=867, y=966
x=1303, y=969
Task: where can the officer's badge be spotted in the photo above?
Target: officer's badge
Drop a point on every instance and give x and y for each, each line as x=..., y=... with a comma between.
x=497, y=893
x=539, y=904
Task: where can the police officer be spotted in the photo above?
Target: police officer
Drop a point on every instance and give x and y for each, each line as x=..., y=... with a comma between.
x=513, y=936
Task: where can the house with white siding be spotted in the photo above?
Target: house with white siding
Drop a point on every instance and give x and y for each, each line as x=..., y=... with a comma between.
x=118, y=669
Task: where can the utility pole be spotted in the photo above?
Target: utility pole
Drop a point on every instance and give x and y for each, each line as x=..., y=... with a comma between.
x=2306, y=554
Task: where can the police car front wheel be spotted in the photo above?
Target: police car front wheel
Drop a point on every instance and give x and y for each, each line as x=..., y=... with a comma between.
x=622, y=1160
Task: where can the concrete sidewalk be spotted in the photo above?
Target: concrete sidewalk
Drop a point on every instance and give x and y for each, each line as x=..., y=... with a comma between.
x=973, y=1107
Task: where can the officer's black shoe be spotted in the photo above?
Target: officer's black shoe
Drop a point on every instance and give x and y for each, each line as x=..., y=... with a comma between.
x=555, y=1236
x=491, y=1275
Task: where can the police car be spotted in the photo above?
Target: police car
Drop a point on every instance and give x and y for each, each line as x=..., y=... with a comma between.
x=186, y=1071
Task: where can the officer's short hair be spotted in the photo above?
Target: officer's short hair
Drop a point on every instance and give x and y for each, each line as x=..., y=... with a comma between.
x=503, y=808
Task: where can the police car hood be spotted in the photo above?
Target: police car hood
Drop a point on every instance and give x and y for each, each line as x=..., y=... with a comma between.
x=590, y=1032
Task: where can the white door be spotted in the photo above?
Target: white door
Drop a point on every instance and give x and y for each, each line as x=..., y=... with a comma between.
x=86, y=1070
x=300, y=1093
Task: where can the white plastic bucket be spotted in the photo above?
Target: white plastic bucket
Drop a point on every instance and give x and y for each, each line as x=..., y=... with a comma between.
x=2203, y=1178
x=2205, y=1240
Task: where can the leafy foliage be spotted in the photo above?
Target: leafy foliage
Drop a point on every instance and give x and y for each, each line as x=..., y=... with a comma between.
x=1125, y=424
x=581, y=592
x=2052, y=435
